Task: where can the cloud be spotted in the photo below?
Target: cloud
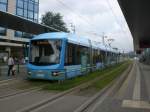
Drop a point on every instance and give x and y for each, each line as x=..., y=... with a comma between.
x=92, y=18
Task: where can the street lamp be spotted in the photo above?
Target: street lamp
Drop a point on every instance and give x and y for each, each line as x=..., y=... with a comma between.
x=110, y=40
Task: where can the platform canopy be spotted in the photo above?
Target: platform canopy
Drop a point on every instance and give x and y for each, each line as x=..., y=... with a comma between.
x=137, y=15
x=14, y=22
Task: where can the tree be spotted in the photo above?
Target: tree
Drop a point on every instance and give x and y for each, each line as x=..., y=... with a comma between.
x=54, y=20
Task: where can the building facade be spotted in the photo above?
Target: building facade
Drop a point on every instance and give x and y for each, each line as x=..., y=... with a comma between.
x=14, y=42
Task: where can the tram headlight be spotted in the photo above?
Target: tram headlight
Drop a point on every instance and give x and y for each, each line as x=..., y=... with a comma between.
x=29, y=73
x=55, y=73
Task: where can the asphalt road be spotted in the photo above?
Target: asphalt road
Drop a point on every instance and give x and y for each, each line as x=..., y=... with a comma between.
x=132, y=96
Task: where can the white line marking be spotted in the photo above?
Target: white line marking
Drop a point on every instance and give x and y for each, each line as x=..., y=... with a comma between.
x=4, y=84
x=137, y=87
x=136, y=104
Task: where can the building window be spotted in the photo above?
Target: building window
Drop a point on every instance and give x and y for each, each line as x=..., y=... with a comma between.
x=28, y=9
x=23, y=34
x=36, y=8
x=19, y=11
x=31, y=5
x=20, y=3
x=18, y=34
x=3, y=1
x=27, y=35
x=26, y=5
x=37, y=1
x=25, y=13
x=2, y=31
x=35, y=15
x=3, y=5
x=30, y=15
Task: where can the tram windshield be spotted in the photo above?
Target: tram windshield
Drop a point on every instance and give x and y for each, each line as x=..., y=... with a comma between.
x=45, y=52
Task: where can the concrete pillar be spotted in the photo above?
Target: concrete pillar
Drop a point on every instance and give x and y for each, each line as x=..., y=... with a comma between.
x=8, y=49
x=12, y=10
x=136, y=43
x=12, y=6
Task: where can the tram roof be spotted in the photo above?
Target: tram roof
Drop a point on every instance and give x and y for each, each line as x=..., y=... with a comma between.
x=73, y=38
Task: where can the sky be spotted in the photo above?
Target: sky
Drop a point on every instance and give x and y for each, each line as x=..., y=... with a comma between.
x=93, y=19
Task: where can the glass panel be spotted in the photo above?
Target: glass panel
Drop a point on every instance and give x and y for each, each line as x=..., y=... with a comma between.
x=30, y=14
x=25, y=5
x=20, y=3
x=27, y=35
x=36, y=8
x=19, y=12
x=3, y=1
x=45, y=52
x=18, y=34
x=2, y=31
x=3, y=7
x=36, y=0
x=25, y=13
x=30, y=6
x=35, y=16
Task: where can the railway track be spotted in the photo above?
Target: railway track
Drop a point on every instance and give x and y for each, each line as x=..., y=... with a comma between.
x=89, y=105
x=8, y=88
x=34, y=107
x=19, y=92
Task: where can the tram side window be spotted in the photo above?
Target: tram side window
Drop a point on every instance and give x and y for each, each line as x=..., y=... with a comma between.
x=94, y=60
x=69, y=54
x=73, y=54
x=78, y=55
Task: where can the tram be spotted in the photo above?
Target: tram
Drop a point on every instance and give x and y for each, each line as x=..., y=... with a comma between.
x=59, y=56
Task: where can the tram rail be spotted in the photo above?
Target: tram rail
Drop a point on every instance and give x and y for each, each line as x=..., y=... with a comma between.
x=60, y=95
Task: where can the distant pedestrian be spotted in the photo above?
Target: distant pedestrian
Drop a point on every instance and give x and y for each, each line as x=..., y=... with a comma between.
x=10, y=65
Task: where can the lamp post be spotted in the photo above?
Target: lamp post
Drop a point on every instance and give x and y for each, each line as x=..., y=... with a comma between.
x=117, y=55
x=110, y=40
x=103, y=41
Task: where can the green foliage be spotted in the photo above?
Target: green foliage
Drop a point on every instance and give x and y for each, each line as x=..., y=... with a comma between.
x=110, y=77
x=54, y=20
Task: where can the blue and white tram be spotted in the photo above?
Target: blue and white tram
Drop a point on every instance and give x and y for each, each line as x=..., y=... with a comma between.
x=58, y=56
